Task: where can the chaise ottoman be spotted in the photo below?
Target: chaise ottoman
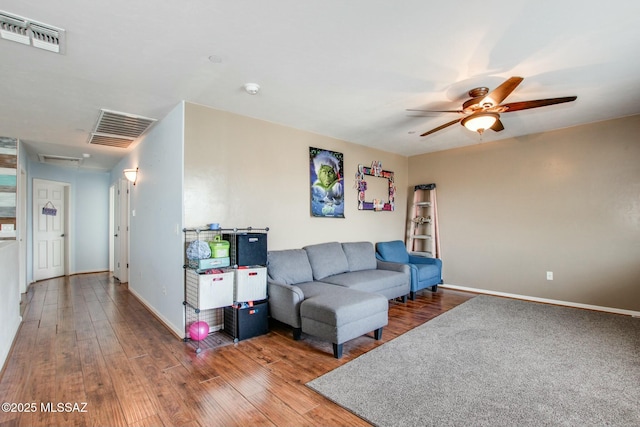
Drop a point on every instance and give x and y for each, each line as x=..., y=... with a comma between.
x=344, y=314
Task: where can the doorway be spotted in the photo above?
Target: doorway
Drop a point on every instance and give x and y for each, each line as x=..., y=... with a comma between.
x=120, y=209
x=50, y=229
x=21, y=217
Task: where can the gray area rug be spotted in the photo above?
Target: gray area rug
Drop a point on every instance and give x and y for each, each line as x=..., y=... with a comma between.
x=498, y=362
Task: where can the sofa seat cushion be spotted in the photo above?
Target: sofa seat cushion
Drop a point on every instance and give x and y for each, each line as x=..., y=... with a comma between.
x=289, y=266
x=360, y=255
x=368, y=280
x=313, y=289
x=326, y=259
x=428, y=272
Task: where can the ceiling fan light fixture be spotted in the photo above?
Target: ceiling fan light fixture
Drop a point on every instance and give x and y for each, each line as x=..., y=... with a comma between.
x=480, y=122
x=484, y=107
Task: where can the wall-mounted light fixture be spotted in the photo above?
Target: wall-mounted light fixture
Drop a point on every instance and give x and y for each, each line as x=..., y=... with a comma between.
x=131, y=175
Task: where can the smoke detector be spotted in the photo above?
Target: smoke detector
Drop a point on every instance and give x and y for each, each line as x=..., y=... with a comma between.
x=252, y=88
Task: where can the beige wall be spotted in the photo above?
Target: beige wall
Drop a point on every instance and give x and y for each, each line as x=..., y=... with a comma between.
x=565, y=201
x=243, y=172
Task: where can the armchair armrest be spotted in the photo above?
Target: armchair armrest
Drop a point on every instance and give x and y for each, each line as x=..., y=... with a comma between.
x=393, y=266
x=414, y=259
x=284, y=302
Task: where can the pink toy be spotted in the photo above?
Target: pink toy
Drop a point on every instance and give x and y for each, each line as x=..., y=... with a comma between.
x=198, y=330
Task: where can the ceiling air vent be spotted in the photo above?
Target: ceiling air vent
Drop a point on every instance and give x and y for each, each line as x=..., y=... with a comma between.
x=71, y=162
x=30, y=32
x=14, y=28
x=47, y=38
x=116, y=129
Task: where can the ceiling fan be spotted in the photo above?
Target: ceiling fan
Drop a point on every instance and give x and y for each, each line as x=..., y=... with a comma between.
x=483, y=110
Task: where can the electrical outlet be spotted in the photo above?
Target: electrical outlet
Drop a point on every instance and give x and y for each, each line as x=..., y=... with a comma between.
x=164, y=290
x=549, y=275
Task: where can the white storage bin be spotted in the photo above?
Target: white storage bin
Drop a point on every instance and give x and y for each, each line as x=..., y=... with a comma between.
x=250, y=284
x=207, y=291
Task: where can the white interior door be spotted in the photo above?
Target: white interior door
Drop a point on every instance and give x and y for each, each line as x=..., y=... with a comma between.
x=121, y=232
x=48, y=230
x=21, y=217
x=112, y=209
x=116, y=232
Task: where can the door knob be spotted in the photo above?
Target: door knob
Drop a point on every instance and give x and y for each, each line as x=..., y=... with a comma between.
x=62, y=235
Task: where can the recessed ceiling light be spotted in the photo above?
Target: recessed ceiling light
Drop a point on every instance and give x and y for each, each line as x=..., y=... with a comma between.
x=215, y=59
x=86, y=155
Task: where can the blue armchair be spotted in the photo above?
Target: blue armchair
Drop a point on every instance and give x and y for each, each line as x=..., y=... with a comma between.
x=425, y=272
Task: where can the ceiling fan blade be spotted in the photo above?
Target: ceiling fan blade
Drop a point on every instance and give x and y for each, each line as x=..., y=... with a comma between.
x=436, y=111
x=525, y=105
x=453, y=122
x=496, y=96
x=497, y=126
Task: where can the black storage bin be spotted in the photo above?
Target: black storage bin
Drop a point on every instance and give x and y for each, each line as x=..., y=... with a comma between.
x=246, y=322
x=248, y=249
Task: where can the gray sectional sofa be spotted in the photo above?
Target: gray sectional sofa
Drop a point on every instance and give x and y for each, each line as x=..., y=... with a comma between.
x=335, y=291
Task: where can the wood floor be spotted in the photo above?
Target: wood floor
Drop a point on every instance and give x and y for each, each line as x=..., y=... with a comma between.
x=86, y=342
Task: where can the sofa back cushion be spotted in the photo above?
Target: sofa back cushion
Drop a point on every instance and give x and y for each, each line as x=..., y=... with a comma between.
x=360, y=255
x=327, y=259
x=289, y=266
x=394, y=251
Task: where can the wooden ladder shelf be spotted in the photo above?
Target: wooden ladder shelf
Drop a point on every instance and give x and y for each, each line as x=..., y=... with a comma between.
x=423, y=236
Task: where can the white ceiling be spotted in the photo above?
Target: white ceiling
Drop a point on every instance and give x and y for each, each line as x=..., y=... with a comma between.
x=348, y=69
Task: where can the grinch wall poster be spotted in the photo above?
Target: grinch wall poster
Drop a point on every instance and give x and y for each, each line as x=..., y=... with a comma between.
x=327, y=183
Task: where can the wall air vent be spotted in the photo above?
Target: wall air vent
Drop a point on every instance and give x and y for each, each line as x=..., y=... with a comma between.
x=32, y=33
x=70, y=162
x=116, y=129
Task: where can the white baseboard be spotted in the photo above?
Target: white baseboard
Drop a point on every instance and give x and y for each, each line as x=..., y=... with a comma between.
x=178, y=332
x=75, y=273
x=544, y=300
x=88, y=272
